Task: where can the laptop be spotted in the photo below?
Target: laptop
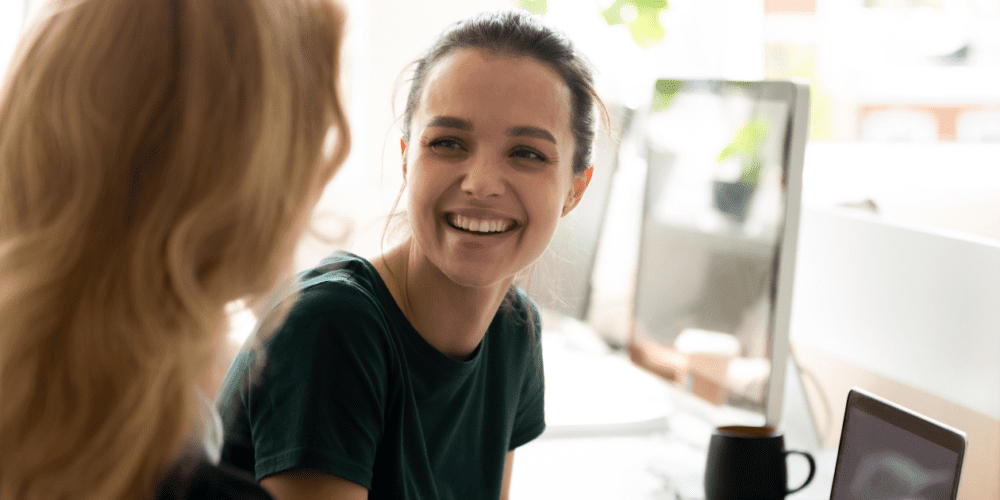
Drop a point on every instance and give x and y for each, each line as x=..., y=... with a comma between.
x=888, y=452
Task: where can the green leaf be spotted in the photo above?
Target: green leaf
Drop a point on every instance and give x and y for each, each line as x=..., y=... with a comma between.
x=747, y=140
x=746, y=144
x=664, y=94
x=646, y=29
x=539, y=7
x=613, y=14
x=751, y=170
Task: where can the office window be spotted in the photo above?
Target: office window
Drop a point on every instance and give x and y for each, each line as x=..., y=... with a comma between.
x=905, y=108
x=915, y=61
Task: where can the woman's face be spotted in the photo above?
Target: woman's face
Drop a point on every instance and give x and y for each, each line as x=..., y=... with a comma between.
x=488, y=165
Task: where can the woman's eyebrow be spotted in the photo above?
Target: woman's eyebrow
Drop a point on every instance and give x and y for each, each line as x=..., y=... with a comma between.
x=520, y=131
x=535, y=132
x=450, y=122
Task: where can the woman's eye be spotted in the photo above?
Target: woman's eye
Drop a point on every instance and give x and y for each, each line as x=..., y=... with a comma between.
x=528, y=154
x=446, y=144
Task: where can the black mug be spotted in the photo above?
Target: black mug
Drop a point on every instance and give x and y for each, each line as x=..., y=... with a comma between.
x=748, y=463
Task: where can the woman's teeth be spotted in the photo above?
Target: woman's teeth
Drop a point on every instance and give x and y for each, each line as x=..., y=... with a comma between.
x=479, y=225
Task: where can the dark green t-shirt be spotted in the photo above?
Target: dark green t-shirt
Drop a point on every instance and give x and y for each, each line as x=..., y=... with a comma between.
x=349, y=388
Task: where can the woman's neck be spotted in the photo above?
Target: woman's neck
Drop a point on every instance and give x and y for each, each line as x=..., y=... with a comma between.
x=452, y=318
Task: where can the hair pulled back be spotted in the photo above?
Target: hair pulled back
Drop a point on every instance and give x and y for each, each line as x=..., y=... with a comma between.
x=517, y=33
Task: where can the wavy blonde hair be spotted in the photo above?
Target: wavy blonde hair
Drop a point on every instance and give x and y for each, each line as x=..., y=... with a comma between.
x=158, y=159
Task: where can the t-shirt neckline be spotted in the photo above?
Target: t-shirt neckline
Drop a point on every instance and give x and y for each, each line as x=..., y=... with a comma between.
x=434, y=357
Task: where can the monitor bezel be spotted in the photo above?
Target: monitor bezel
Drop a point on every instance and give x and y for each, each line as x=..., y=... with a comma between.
x=796, y=93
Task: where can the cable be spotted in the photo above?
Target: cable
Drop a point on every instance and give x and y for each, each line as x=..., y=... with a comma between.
x=823, y=399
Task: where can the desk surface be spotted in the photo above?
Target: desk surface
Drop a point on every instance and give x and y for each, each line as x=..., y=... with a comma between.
x=616, y=431
x=653, y=466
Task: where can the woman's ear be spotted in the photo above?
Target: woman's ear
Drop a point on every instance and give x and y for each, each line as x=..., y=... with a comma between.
x=402, y=151
x=580, y=183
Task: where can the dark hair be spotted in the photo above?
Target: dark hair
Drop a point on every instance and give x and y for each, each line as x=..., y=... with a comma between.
x=519, y=33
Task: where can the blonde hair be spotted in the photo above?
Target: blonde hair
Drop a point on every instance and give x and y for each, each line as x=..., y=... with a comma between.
x=158, y=159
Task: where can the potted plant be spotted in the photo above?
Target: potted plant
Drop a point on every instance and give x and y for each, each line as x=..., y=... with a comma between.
x=732, y=197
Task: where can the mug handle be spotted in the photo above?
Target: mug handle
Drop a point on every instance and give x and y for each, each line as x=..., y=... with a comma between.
x=812, y=469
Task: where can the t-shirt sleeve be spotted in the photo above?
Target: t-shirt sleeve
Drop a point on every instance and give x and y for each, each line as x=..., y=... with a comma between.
x=529, y=421
x=319, y=401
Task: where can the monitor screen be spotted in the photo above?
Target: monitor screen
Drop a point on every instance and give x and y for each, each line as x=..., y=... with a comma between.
x=720, y=217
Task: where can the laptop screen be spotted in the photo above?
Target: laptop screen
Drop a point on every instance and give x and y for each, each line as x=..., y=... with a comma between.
x=889, y=453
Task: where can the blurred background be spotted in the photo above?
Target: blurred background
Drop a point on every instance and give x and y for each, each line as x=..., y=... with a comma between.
x=905, y=112
x=905, y=104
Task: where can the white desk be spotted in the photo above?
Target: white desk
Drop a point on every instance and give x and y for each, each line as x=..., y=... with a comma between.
x=652, y=466
x=617, y=432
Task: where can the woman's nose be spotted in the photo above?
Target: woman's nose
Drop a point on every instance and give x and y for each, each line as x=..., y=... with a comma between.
x=484, y=178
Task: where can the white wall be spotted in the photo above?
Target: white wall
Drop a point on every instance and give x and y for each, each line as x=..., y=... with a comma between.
x=948, y=186
x=917, y=305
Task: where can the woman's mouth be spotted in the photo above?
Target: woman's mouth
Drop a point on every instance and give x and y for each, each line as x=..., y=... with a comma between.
x=480, y=226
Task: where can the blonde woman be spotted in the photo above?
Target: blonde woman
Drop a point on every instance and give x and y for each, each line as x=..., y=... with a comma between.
x=158, y=160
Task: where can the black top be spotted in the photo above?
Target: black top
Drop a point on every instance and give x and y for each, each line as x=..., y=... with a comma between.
x=351, y=389
x=195, y=478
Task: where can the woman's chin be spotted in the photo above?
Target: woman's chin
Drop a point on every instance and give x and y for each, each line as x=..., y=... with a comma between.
x=477, y=279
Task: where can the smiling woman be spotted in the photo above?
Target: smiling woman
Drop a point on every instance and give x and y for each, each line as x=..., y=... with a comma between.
x=505, y=161
x=415, y=374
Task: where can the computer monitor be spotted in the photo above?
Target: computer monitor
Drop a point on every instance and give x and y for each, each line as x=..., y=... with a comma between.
x=718, y=236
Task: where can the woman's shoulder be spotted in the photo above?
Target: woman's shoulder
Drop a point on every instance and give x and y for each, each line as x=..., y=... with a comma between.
x=342, y=300
x=341, y=267
x=342, y=281
x=195, y=478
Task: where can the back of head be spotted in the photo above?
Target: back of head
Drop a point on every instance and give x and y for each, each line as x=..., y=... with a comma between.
x=157, y=160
